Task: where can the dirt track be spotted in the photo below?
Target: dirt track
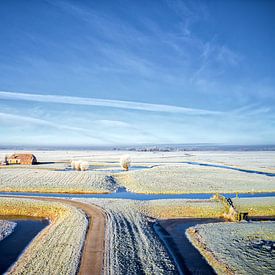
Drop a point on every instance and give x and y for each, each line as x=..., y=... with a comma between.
x=93, y=250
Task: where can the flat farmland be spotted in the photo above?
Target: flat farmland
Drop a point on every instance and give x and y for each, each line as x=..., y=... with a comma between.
x=150, y=172
x=42, y=180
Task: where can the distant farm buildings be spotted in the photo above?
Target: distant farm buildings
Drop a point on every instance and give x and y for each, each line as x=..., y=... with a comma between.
x=27, y=159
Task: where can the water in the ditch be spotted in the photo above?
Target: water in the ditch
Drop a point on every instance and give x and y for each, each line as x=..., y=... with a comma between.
x=26, y=230
x=122, y=193
x=269, y=174
x=108, y=169
x=187, y=258
x=13, y=245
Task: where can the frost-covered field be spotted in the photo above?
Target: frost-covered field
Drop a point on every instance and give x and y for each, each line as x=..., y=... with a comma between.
x=132, y=246
x=185, y=178
x=264, y=206
x=181, y=178
x=245, y=159
x=185, y=208
x=57, y=249
x=36, y=180
x=6, y=228
x=179, y=208
x=237, y=248
x=258, y=160
x=169, y=173
x=172, y=209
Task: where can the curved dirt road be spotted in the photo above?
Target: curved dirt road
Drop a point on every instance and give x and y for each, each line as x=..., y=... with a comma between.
x=92, y=257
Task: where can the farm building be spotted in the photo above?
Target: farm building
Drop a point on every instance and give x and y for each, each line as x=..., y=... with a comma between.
x=21, y=159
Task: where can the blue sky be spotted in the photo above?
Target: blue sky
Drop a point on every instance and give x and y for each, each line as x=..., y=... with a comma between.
x=133, y=72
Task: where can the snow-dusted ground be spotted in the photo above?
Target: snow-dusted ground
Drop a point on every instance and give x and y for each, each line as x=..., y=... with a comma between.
x=180, y=178
x=57, y=249
x=100, y=156
x=264, y=160
x=6, y=228
x=169, y=173
x=238, y=248
x=132, y=245
x=186, y=178
x=258, y=160
x=38, y=180
x=264, y=206
x=179, y=208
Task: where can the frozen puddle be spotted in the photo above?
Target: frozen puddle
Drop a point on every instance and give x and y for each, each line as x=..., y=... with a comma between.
x=13, y=245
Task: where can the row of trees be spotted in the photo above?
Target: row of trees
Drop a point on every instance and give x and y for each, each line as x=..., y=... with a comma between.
x=79, y=165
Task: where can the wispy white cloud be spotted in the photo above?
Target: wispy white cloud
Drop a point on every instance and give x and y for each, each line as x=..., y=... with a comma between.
x=105, y=103
x=14, y=118
x=113, y=123
x=214, y=59
x=252, y=110
x=117, y=45
x=99, y=132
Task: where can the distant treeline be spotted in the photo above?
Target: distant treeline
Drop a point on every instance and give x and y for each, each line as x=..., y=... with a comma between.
x=150, y=147
x=176, y=148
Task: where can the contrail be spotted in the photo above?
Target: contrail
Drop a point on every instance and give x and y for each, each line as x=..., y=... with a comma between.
x=132, y=105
